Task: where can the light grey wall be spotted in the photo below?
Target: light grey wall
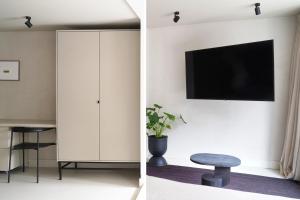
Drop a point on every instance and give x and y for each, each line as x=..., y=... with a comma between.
x=33, y=97
x=251, y=130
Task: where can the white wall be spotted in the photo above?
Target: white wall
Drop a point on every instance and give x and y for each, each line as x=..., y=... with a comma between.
x=252, y=131
x=139, y=7
x=33, y=97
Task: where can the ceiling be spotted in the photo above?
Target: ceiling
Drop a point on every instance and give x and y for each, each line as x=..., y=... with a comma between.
x=160, y=12
x=62, y=14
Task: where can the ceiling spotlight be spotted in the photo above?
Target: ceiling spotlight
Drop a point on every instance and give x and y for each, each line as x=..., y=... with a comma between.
x=28, y=23
x=257, y=9
x=176, y=16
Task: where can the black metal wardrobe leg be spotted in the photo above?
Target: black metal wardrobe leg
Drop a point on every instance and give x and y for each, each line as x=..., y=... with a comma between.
x=59, y=170
x=10, y=154
x=37, y=156
x=23, y=153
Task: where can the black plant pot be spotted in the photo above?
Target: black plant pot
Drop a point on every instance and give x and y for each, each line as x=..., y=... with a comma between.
x=157, y=147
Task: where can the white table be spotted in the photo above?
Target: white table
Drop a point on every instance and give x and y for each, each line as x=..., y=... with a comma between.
x=27, y=123
x=7, y=127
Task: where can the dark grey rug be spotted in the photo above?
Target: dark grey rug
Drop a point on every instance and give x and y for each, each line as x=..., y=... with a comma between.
x=241, y=182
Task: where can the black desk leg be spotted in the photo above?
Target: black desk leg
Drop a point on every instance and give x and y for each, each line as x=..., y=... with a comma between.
x=59, y=170
x=23, y=153
x=10, y=152
x=37, y=156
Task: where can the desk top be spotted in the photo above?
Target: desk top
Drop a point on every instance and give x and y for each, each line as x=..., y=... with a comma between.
x=27, y=123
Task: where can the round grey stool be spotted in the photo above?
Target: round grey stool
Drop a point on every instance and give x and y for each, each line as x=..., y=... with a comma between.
x=222, y=164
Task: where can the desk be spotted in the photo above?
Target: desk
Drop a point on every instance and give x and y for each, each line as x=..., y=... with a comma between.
x=24, y=126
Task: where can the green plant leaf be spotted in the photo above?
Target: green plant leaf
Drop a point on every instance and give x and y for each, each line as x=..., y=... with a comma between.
x=170, y=116
x=157, y=122
x=148, y=113
x=149, y=126
x=161, y=124
x=154, y=118
x=157, y=106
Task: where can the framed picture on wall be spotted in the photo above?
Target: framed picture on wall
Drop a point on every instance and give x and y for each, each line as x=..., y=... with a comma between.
x=9, y=70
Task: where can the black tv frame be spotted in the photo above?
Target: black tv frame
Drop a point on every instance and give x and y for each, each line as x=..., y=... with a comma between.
x=189, y=71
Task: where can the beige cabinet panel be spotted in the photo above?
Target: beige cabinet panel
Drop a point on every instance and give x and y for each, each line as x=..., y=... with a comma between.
x=77, y=95
x=119, y=96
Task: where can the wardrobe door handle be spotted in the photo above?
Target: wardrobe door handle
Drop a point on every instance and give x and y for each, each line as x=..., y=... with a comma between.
x=98, y=101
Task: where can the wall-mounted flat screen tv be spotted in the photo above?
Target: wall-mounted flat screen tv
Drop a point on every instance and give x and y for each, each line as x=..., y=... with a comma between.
x=237, y=72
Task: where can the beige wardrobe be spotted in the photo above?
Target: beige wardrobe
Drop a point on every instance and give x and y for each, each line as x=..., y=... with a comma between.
x=98, y=95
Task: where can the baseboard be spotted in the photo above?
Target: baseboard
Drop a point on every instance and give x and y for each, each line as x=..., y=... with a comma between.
x=263, y=164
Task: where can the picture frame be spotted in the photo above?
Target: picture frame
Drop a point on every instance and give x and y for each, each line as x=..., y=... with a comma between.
x=9, y=70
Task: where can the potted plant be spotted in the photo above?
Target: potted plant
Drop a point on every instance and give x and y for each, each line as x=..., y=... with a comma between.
x=158, y=122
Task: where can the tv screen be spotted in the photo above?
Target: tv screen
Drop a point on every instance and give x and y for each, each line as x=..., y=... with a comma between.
x=237, y=72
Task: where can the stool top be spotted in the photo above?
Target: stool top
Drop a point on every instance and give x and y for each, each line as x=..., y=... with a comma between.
x=217, y=160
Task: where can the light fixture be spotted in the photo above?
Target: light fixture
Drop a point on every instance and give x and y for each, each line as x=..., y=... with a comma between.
x=28, y=23
x=257, y=9
x=176, y=16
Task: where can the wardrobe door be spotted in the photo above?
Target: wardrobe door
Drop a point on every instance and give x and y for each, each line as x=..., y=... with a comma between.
x=119, y=96
x=77, y=96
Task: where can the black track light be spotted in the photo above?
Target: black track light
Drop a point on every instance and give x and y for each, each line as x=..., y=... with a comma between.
x=176, y=16
x=257, y=9
x=28, y=23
